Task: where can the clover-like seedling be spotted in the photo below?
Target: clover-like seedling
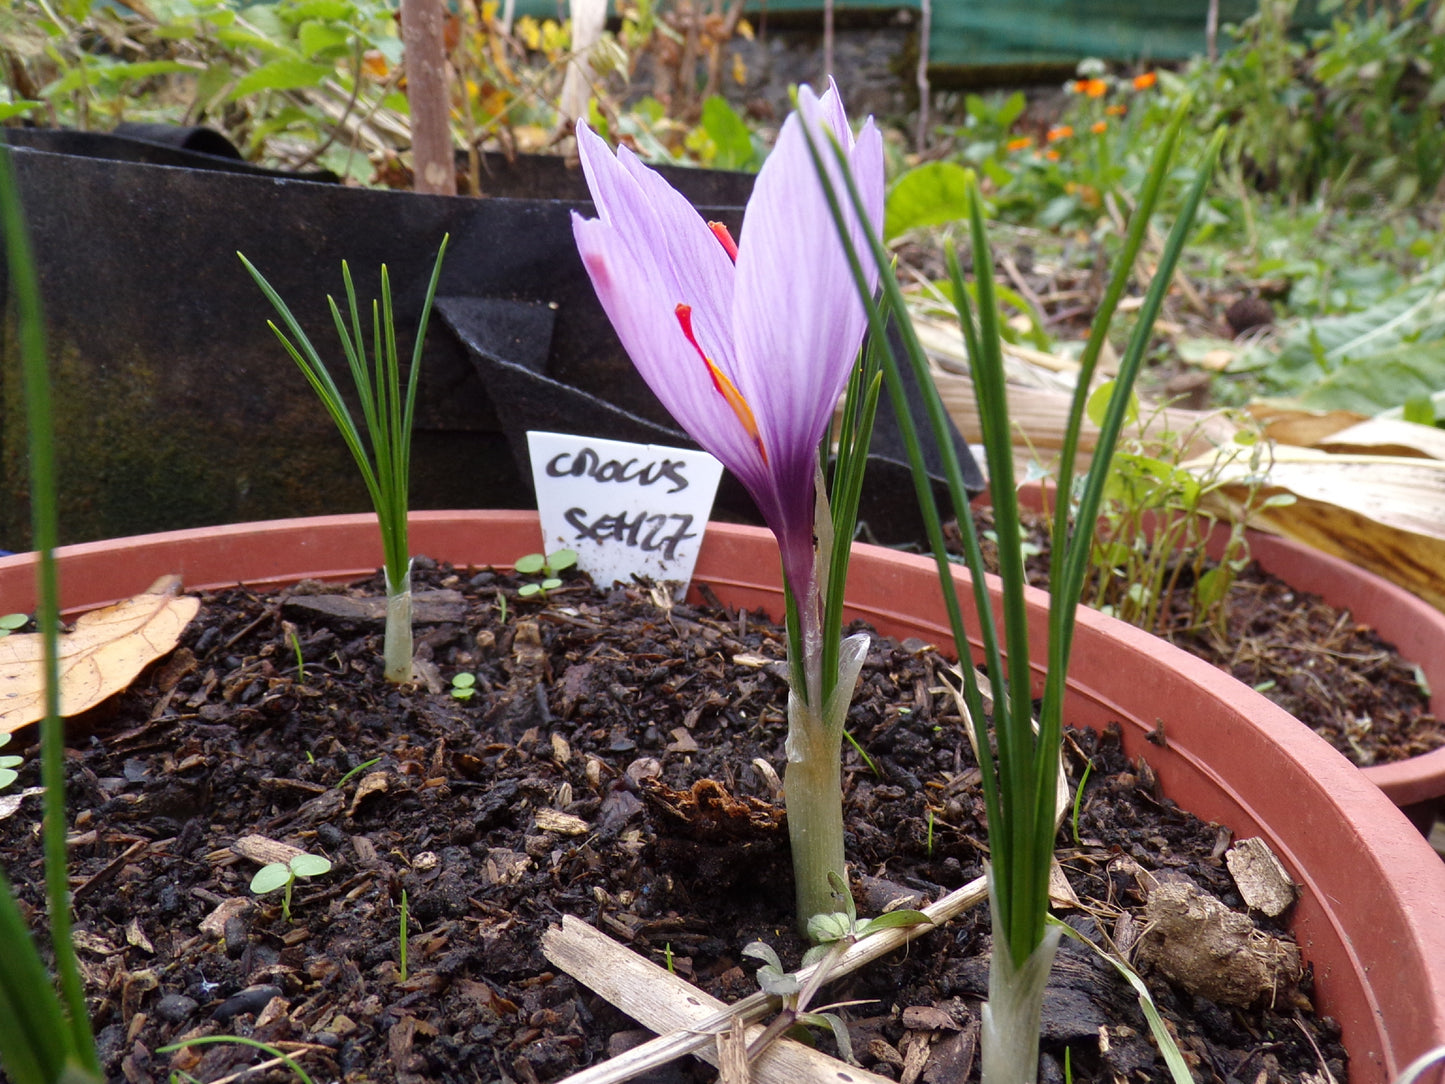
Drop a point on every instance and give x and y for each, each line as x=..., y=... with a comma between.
x=833, y=932
x=10, y=622
x=548, y=565
x=827, y=930
x=283, y=875
x=464, y=686
x=8, y=764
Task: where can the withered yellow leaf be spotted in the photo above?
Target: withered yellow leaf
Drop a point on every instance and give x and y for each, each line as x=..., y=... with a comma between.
x=100, y=657
x=1383, y=513
x=1388, y=437
x=1285, y=423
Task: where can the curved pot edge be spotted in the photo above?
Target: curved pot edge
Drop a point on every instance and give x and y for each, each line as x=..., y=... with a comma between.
x=1415, y=627
x=1387, y=1020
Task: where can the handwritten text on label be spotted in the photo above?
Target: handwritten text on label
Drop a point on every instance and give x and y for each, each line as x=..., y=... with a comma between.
x=588, y=463
x=627, y=509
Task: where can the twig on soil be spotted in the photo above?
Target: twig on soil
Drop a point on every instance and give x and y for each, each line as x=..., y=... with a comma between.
x=701, y=1031
x=664, y=1002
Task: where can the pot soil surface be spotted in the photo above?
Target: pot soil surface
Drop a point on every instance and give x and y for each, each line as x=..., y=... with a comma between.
x=603, y=767
x=1337, y=677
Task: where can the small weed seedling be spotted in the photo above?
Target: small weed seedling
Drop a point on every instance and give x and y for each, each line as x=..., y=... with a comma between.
x=1154, y=525
x=278, y=1057
x=8, y=764
x=349, y=776
x=833, y=934
x=295, y=642
x=464, y=686
x=10, y=622
x=401, y=940
x=283, y=875
x=548, y=565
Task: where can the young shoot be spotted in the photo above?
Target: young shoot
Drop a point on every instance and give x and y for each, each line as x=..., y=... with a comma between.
x=382, y=445
x=401, y=937
x=295, y=641
x=283, y=875
x=278, y=1057
x=548, y=565
x=354, y=772
x=832, y=932
x=464, y=686
x=12, y=622
x=1155, y=522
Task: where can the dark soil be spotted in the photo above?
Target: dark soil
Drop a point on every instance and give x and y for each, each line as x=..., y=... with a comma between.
x=619, y=712
x=1336, y=676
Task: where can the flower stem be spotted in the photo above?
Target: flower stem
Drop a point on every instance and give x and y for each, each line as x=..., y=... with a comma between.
x=814, y=785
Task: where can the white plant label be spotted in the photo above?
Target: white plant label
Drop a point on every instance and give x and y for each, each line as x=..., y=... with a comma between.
x=626, y=509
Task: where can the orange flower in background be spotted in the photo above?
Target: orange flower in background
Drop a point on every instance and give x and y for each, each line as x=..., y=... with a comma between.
x=1118, y=109
x=1094, y=88
x=1021, y=143
x=1051, y=154
x=374, y=65
x=1099, y=127
x=1145, y=81
x=1063, y=131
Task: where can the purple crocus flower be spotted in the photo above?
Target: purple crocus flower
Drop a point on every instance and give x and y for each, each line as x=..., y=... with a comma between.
x=750, y=345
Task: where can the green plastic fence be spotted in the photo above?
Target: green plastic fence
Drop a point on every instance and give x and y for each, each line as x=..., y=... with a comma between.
x=1036, y=33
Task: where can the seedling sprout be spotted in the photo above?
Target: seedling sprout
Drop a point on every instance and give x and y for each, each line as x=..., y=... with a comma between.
x=283, y=875
x=401, y=940
x=832, y=934
x=8, y=764
x=10, y=622
x=548, y=565
x=356, y=771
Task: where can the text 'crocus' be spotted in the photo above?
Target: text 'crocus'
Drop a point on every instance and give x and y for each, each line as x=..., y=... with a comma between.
x=749, y=345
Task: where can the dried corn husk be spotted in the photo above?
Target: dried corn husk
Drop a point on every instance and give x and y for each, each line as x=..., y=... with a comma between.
x=1383, y=513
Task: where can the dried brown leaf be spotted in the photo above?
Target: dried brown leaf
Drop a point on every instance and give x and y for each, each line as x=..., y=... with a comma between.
x=103, y=655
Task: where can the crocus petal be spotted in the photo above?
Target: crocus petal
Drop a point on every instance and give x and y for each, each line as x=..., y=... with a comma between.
x=796, y=310
x=778, y=332
x=648, y=252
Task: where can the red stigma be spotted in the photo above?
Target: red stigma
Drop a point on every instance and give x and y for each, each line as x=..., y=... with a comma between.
x=720, y=231
x=720, y=381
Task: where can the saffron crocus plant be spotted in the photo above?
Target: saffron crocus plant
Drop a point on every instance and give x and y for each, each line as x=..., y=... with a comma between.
x=1019, y=779
x=387, y=411
x=750, y=345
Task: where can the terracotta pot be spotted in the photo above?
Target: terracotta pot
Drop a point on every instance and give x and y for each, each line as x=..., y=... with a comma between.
x=1371, y=916
x=1417, y=629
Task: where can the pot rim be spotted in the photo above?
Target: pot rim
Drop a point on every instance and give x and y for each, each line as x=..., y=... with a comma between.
x=1398, y=616
x=1284, y=782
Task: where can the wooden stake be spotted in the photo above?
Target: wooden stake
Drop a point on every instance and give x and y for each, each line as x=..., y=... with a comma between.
x=423, y=34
